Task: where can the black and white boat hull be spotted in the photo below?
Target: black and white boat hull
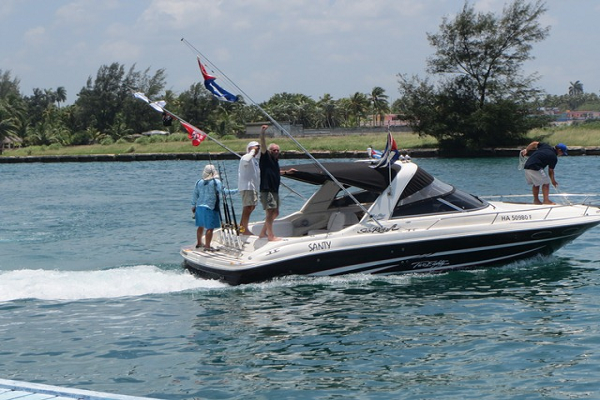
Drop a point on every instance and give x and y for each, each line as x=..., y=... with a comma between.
x=409, y=257
x=442, y=232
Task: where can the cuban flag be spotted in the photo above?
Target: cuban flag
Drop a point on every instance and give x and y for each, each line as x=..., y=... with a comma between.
x=390, y=155
x=194, y=133
x=211, y=86
x=376, y=154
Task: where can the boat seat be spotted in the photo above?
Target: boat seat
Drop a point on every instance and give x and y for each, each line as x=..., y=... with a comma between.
x=337, y=221
x=280, y=228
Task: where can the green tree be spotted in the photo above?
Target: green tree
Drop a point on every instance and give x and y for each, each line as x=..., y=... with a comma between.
x=379, y=104
x=294, y=108
x=226, y=122
x=481, y=98
x=358, y=105
x=575, y=88
x=196, y=105
x=489, y=49
x=119, y=128
x=8, y=126
x=61, y=95
x=9, y=86
x=101, y=98
x=110, y=94
x=327, y=111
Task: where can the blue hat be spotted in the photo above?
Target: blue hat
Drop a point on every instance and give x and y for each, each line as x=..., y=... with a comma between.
x=563, y=148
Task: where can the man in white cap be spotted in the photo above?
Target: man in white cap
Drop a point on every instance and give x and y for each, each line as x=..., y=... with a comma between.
x=249, y=183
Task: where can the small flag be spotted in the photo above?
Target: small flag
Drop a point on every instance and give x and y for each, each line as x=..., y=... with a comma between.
x=194, y=133
x=390, y=154
x=211, y=85
x=158, y=105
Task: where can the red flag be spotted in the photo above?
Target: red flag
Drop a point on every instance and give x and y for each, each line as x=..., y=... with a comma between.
x=205, y=74
x=194, y=133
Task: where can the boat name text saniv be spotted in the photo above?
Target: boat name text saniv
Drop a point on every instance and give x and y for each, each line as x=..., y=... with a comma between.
x=319, y=246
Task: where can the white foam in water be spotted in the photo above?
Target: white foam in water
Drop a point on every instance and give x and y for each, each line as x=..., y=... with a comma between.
x=77, y=285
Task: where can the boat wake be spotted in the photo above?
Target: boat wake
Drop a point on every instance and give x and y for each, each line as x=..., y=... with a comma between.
x=112, y=283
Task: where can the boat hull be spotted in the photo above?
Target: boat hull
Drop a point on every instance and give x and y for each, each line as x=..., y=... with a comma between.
x=406, y=256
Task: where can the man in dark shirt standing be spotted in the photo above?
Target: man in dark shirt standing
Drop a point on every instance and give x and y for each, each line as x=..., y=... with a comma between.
x=270, y=179
x=543, y=156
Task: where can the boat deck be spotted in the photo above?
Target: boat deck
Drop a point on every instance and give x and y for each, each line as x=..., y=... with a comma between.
x=13, y=390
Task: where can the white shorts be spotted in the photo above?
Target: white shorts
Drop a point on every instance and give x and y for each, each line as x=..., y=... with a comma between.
x=537, y=178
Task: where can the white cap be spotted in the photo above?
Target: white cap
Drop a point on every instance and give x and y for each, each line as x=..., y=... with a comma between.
x=251, y=144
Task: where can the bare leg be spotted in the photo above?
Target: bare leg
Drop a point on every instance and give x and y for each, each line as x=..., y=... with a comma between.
x=267, y=229
x=546, y=194
x=209, y=236
x=199, y=233
x=246, y=211
x=536, y=193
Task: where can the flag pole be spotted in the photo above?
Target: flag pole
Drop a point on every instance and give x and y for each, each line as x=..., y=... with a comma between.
x=284, y=131
x=389, y=165
x=160, y=108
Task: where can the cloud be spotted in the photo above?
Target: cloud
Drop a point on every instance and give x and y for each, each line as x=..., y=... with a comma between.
x=183, y=14
x=6, y=8
x=35, y=36
x=121, y=51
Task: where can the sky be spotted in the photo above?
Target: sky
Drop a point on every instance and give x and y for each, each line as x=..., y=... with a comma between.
x=265, y=47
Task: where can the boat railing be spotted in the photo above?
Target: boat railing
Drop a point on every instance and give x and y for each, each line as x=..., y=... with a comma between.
x=564, y=198
x=549, y=211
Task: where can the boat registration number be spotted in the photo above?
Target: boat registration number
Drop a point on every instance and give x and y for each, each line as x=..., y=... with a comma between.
x=516, y=217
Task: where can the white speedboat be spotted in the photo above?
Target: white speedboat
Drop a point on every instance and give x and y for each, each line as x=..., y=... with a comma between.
x=389, y=221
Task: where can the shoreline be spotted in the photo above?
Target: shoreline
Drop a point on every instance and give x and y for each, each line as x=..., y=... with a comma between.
x=129, y=157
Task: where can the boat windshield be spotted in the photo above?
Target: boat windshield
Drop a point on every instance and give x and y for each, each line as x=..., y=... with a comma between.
x=425, y=194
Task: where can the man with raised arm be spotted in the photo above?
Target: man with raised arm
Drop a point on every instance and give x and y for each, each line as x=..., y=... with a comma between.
x=270, y=179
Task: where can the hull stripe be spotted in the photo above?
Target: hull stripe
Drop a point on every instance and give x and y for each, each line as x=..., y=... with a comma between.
x=349, y=268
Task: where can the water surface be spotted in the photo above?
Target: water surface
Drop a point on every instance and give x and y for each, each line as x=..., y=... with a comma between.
x=92, y=296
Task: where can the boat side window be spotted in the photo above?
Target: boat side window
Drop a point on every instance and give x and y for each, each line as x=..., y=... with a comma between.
x=343, y=200
x=431, y=196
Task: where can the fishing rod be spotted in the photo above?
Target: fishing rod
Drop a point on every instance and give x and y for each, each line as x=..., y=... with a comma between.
x=234, y=218
x=284, y=131
x=225, y=203
x=218, y=207
x=225, y=226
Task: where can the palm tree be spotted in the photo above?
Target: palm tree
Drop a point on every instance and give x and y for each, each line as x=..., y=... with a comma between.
x=576, y=88
x=327, y=106
x=8, y=128
x=61, y=95
x=359, y=104
x=379, y=104
x=343, y=112
x=225, y=122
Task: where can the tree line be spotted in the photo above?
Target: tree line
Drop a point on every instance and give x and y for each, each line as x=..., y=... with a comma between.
x=474, y=96
x=105, y=110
